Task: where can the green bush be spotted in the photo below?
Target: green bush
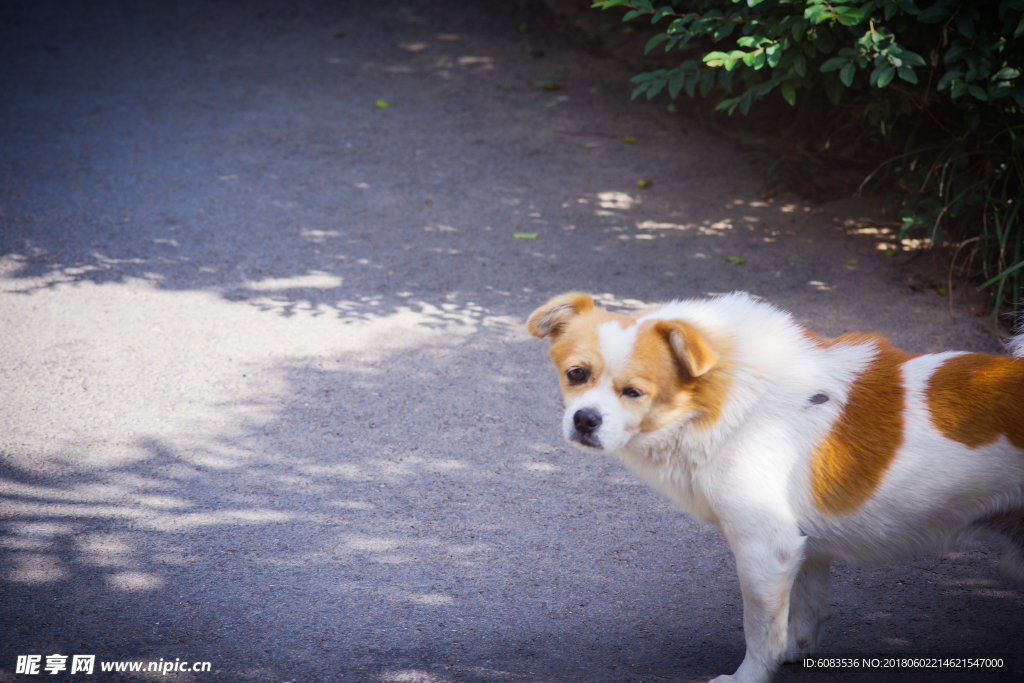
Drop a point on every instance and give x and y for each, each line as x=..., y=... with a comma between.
x=933, y=92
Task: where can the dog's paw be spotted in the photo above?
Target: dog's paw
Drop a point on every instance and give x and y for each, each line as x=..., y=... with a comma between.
x=723, y=679
x=796, y=650
x=1011, y=563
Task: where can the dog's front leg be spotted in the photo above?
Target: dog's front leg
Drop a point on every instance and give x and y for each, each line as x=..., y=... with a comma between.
x=767, y=563
x=809, y=604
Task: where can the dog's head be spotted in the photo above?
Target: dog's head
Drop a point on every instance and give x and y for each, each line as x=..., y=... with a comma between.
x=622, y=376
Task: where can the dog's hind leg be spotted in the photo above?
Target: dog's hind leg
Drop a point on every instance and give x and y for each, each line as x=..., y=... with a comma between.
x=1011, y=562
x=1011, y=527
x=809, y=604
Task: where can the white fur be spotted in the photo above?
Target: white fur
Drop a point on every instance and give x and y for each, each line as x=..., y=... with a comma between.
x=749, y=472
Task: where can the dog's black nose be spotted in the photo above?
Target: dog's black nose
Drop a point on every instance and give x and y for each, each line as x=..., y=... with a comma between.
x=586, y=420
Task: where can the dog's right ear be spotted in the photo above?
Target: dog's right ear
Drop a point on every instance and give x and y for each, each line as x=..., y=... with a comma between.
x=552, y=316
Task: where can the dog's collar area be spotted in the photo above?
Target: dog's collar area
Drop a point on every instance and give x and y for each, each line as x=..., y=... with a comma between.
x=818, y=399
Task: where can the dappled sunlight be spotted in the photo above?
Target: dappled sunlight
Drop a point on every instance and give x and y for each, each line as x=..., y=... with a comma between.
x=316, y=280
x=134, y=581
x=435, y=55
x=616, y=200
x=412, y=676
x=34, y=568
x=225, y=449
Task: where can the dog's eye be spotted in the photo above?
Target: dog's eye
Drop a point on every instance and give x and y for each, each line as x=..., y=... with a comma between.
x=631, y=392
x=577, y=375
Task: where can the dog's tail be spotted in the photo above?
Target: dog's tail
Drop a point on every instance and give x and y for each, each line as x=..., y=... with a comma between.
x=1015, y=344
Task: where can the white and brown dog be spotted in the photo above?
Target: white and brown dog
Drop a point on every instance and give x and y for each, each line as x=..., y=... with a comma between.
x=800, y=449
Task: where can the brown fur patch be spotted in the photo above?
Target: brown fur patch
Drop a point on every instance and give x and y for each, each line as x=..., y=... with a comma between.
x=576, y=343
x=849, y=463
x=674, y=389
x=549, y=318
x=975, y=398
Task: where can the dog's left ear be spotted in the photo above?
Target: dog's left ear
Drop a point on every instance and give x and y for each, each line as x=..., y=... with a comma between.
x=688, y=346
x=552, y=316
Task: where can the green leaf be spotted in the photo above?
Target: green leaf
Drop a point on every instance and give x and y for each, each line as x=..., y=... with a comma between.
x=912, y=58
x=833, y=64
x=848, y=16
x=834, y=90
x=382, y=104
x=948, y=77
x=525, y=235
x=908, y=6
x=788, y=93
x=934, y=14
x=723, y=31
x=1000, y=90
x=907, y=74
x=691, y=83
x=1018, y=96
x=964, y=24
x=746, y=101
x=823, y=42
x=847, y=73
x=662, y=13
x=717, y=59
x=656, y=87
x=655, y=41
x=1017, y=266
x=676, y=80
x=886, y=76
x=817, y=14
x=799, y=28
x=707, y=81
x=800, y=65
x=774, y=54
x=725, y=80
x=735, y=259
x=978, y=92
x=956, y=52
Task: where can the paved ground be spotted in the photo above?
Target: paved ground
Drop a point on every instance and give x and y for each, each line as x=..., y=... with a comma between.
x=266, y=395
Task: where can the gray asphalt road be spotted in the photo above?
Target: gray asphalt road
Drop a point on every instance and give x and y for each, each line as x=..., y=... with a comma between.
x=266, y=395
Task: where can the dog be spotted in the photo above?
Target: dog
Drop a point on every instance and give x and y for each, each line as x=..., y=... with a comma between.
x=802, y=450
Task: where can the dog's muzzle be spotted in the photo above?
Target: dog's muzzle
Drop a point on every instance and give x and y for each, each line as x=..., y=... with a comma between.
x=586, y=422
